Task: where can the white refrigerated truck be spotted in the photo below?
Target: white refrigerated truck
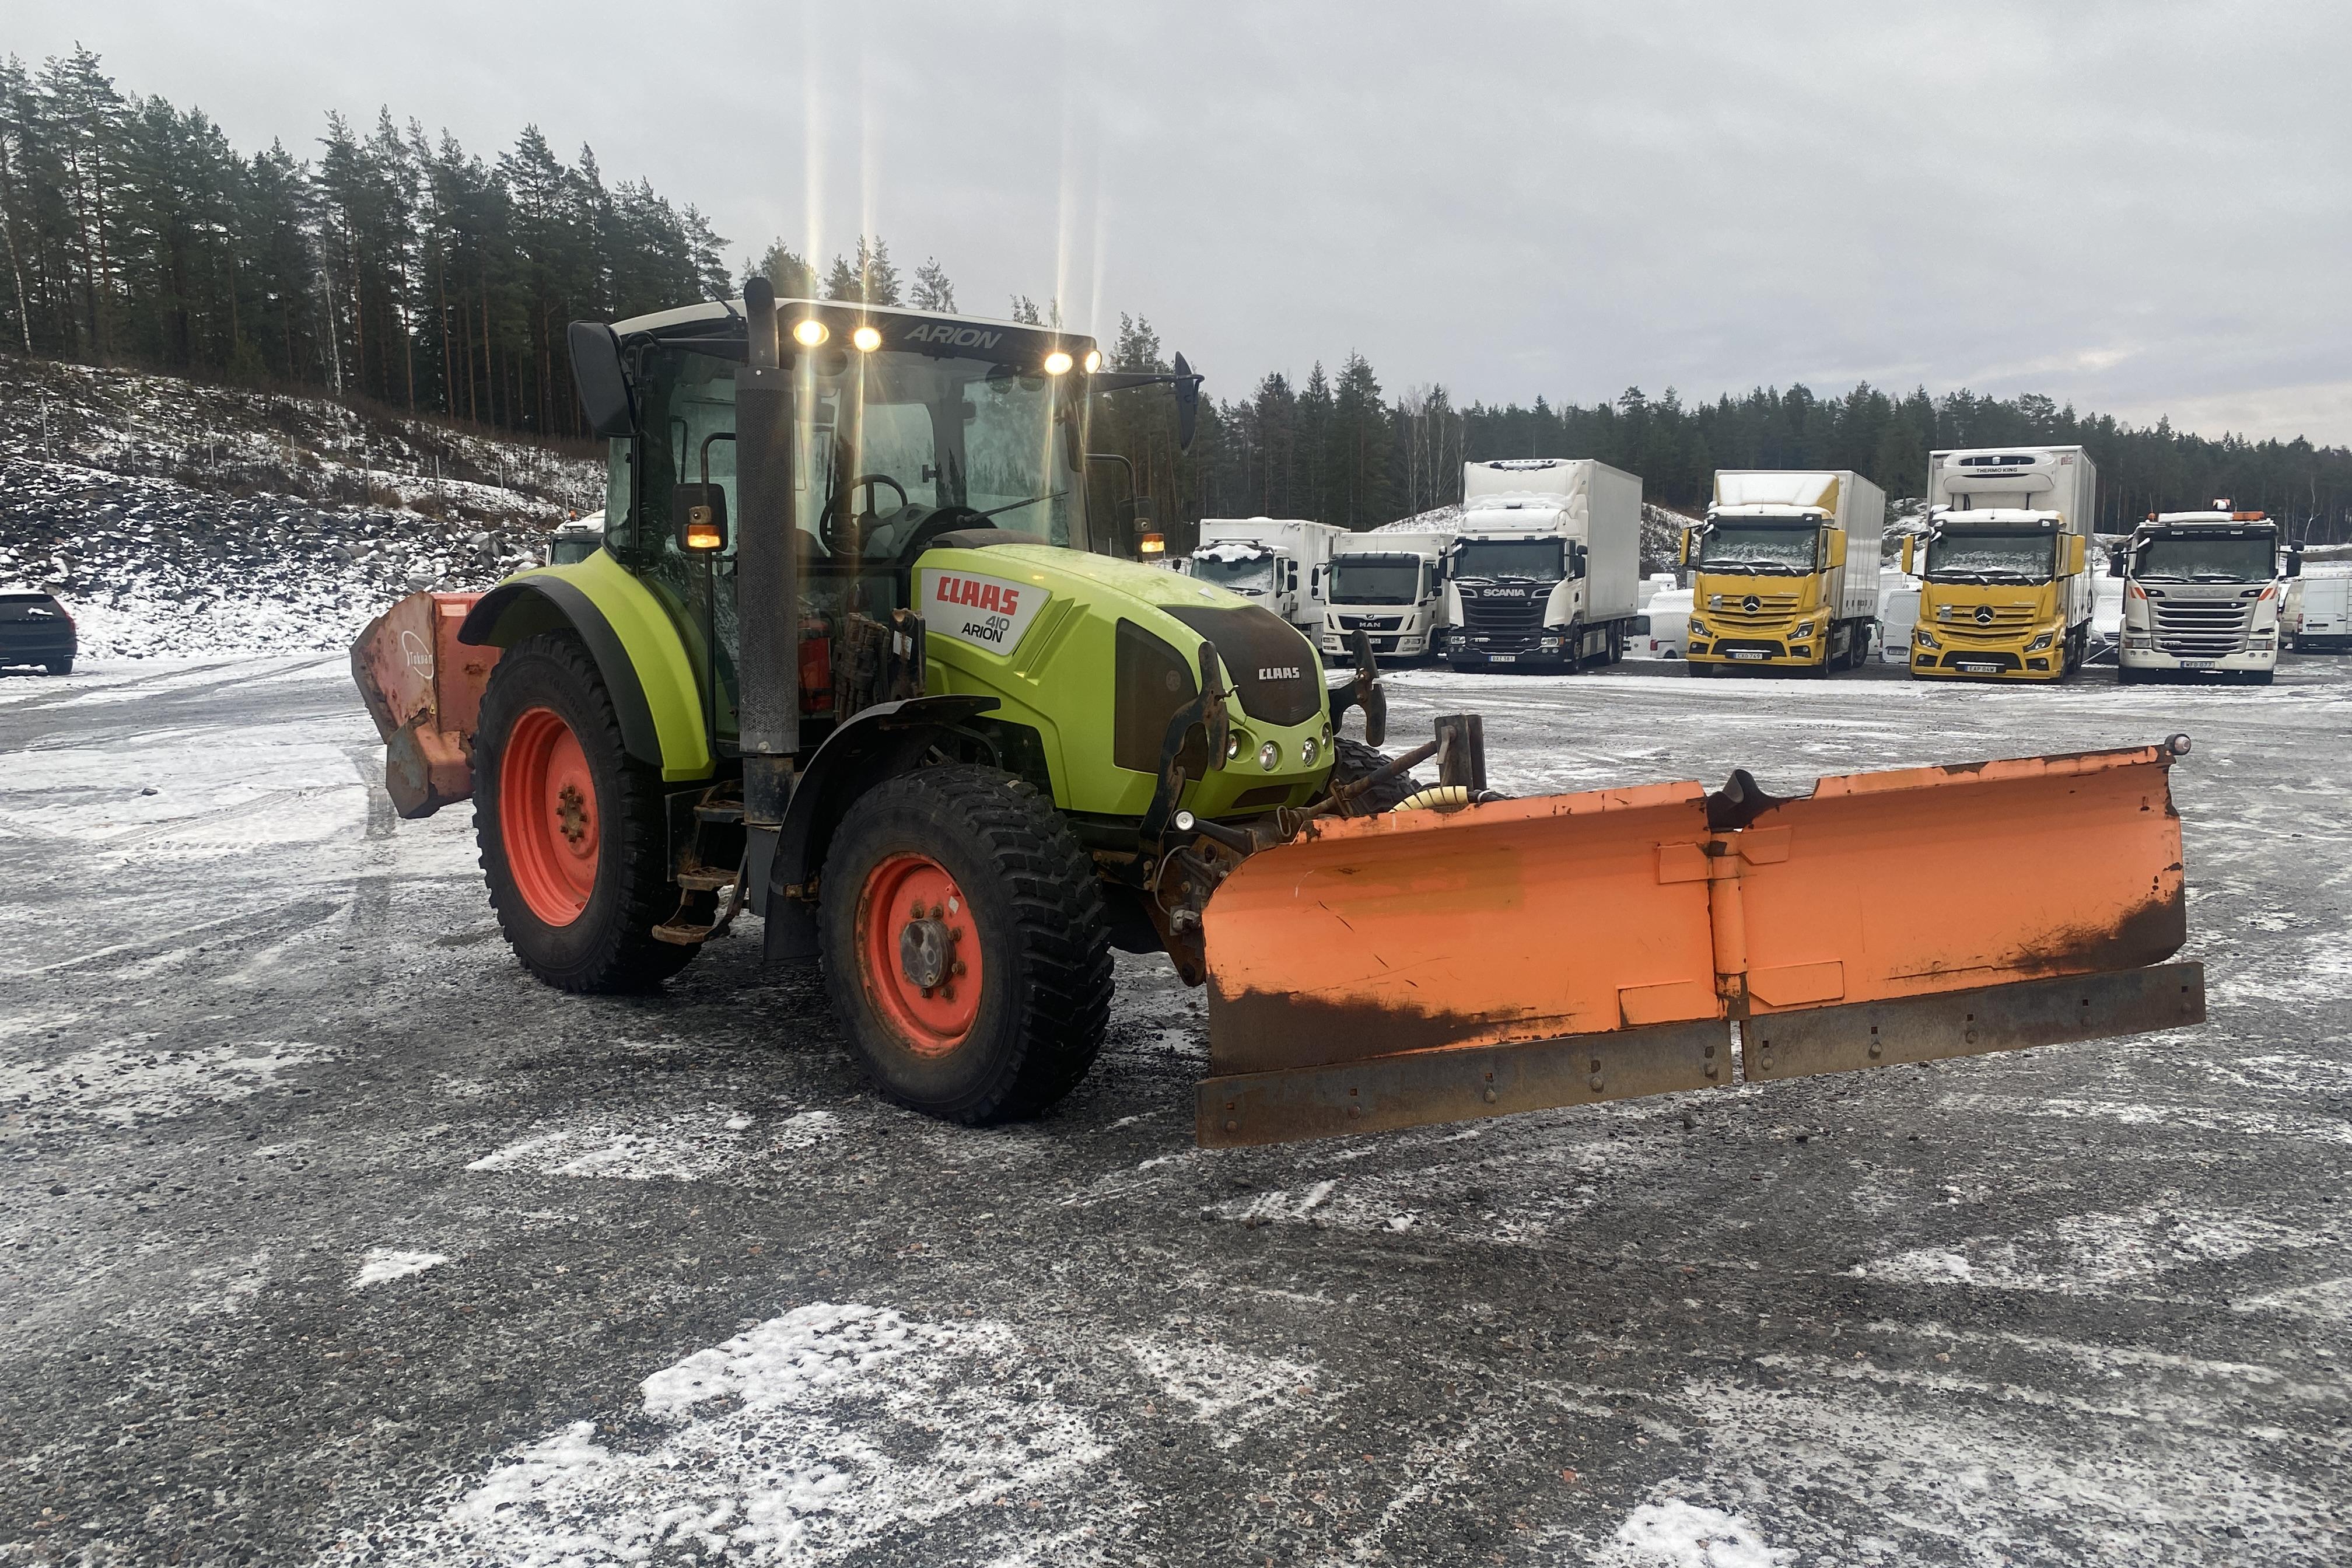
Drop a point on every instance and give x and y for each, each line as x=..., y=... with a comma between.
x=2205, y=592
x=1391, y=583
x=2005, y=581
x=1279, y=561
x=1544, y=567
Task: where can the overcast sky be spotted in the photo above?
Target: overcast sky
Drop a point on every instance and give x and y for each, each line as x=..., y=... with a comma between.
x=2139, y=207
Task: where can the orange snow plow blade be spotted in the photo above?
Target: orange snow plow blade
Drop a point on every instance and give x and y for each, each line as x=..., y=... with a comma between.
x=423, y=690
x=1420, y=967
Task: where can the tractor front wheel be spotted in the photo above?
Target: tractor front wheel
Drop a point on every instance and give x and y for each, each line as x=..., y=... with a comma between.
x=572, y=839
x=966, y=944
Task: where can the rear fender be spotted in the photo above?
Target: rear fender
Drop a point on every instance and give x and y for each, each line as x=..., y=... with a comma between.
x=883, y=740
x=643, y=661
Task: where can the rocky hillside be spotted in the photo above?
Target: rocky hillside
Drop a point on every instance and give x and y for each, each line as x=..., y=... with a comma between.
x=177, y=518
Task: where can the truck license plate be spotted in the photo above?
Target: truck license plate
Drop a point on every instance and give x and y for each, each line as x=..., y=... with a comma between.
x=1502, y=659
x=1746, y=653
x=2196, y=664
x=1982, y=669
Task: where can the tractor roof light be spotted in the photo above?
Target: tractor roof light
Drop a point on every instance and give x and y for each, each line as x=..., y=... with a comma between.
x=1058, y=363
x=809, y=332
x=866, y=339
x=1094, y=361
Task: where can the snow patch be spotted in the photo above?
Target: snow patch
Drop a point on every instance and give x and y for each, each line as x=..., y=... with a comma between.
x=1678, y=1535
x=683, y=1148
x=383, y=1263
x=1926, y=1266
x=1227, y=1391
x=827, y=1432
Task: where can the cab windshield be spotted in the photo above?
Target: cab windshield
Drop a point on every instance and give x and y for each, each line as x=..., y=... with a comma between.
x=1242, y=574
x=1984, y=556
x=883, y=442
x=1768, y=549
x=1356, y=579
x=1537, y=560
x=2188, y=559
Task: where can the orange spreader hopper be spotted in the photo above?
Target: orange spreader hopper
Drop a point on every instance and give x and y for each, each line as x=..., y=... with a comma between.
x=1420, y=967
x=423, y=690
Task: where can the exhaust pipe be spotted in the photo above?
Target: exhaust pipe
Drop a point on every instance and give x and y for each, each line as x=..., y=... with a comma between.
x=767, y=572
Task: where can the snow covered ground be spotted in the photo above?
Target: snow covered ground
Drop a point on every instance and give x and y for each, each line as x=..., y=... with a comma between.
x=327, y=1236
x=176, y=519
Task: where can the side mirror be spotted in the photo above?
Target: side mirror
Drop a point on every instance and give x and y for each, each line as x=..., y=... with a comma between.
x=1907, y=540
x=602, y=384
x=1683, y=559
x=1188, y=405
x=698, y=516
x=2294, y=563
x=2115, y=561
x=1833, y=547
x=2078, y=551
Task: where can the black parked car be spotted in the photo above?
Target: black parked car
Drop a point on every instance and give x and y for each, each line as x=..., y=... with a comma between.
x=36, y=629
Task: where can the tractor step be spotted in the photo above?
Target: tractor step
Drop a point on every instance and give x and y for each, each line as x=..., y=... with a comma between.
x=708, y=881
x=720, y=811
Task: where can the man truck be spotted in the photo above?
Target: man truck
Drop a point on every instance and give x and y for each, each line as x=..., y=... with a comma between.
x=1276, y=561
x=2005, y=581
x=1544, y=568
x=2205, y=592
x=858, y=663
x=1771, y=587
x=1392, y=585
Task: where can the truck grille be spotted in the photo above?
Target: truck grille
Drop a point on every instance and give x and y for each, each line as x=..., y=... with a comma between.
x=1371, y=623
x=1502, y=614
x=1732, y=609
x=2201, y=628
x=2005, y=621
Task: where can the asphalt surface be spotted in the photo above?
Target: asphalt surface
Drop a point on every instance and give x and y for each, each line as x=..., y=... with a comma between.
x=327, y=1235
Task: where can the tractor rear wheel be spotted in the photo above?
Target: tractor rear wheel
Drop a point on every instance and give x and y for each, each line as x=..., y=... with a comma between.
x=966, y=944
x=571, y=829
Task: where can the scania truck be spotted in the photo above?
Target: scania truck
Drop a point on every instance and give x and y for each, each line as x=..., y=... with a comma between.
x=2204, y=594
x=1392, y=585
x=1277, y=562
x=2005, y=582
x=1545, y=567
x=1771, y=588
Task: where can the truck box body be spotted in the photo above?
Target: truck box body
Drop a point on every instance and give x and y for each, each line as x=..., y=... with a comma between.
x=2005, y=581
x=1278, y=561
x=2205, y=593
x=1786, y=570
x=1392, y=583
x=1511, y=604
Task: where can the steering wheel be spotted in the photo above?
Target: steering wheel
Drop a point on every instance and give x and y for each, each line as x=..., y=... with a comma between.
x=947, y=520
x=840, y=532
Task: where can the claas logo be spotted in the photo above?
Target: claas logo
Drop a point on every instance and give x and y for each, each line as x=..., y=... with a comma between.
x=1001, y=597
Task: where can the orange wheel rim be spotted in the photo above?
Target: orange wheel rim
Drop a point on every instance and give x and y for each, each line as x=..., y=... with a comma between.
x=547, y=816
x=919, y=952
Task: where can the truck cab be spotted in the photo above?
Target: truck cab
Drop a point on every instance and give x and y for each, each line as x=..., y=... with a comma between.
x=2205, y=593
x=1543, y=569
x=1393, y=587
x=2005, y=584
x=1278, y=562
x=1772, y=588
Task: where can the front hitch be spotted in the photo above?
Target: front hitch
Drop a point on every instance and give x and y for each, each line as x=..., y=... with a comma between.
x=1362, y=690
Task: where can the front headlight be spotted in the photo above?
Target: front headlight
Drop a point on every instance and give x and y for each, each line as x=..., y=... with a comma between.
x=1269, y=756
x=1804, y=630
x=2037, y=643
x=1698, y=628
x=1308, y=750
x=1925, y=639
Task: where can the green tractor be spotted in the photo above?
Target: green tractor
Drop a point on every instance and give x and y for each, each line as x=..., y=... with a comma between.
x=855, y=655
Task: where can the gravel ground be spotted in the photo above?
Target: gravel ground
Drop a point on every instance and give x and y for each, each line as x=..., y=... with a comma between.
x=326, y=1235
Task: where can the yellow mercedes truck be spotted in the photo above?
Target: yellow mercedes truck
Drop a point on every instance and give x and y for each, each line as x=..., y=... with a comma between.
x=2005, y=584
x=1787, y=572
